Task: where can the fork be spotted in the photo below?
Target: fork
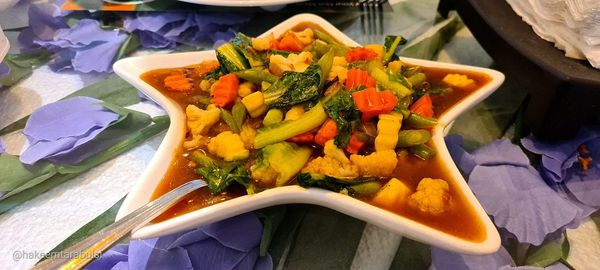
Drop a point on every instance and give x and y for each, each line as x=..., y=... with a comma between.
x=80, y=254
x=371, y=21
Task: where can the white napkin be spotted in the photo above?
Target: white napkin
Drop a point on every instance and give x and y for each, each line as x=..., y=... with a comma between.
x=572, y=25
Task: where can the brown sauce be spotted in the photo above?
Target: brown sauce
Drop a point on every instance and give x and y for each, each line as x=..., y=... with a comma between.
x=459, y=219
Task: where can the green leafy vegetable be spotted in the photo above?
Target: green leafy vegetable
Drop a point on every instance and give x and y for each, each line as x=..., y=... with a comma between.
x=257, y=75
x=320, y=48
x=418, y=121
x=243, y=45
x=220, y=175
x=287, y=129
x=326, y=37
x=390, y=45
x=412, y=137
x=422, y=151
x=270, y=168
x=294, y=88
x=340, y=106
x=230, y=59
x=353, y=187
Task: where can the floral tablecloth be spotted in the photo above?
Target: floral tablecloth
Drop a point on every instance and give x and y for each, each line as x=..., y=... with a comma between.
x=341, y=242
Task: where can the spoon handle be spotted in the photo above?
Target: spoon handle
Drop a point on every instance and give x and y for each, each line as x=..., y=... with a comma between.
x=80, y=254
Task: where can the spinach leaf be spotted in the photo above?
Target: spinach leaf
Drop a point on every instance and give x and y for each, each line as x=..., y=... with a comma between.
x=341, y=108
x=243, y=45
x=294, y=88
x=220, y=175
x=334, y=184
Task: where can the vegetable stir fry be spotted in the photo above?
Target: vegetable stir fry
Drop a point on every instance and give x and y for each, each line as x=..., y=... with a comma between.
x=306, y=109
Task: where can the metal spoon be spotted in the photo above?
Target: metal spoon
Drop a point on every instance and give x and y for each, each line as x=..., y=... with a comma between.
x=80, y=254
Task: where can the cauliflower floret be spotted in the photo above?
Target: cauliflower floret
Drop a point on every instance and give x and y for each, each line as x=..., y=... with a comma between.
x=228, y=146
x=293, y=62
x=432, y=196
x=306, y=36
x=263, y=44
x=334, y=163
x=380, y=164
x=458, y=81
x=199, y=122
x=338, y=71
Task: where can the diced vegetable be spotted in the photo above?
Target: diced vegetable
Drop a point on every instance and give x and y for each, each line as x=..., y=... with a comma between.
x=294, y=113
x=229, y=146
x=377, y=71
x=422, y=151
x=337, y=184
x=391, y=45
x=289, y=42
x=226, y=90
x=220, y=175
x=327, y=132
x=306, y=137
x=371, y=102
x=255, y=104
x=412, y=137
x=230, y=59
x=280, y=162
x=393, y=194
x=287, y=129
x=256, y=75
x=355, y=144
x=387, y=131
x=273, y=116
x=423, y=106
x=358, y=77
x=360, y=54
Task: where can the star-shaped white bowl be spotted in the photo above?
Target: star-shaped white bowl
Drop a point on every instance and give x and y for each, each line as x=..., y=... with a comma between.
x=130, y=69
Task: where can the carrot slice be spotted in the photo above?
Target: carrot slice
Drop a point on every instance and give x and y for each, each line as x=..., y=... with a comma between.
x=226, y=90
x=358, y=77
x=360, y=54
x=327, y=132
x=289, y=42
x=306, y=137
x=355, y=144
x=177, y=81
x=423, y=106
x=371, y=102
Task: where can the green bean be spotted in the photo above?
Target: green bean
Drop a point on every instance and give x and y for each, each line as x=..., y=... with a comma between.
x=320, y=48
x=422, y=151
x=326, y=37
x=408, y=138
x=256, y=75
x=417, y=78
x=239, y=114
x=366, y=189
x=418, y=121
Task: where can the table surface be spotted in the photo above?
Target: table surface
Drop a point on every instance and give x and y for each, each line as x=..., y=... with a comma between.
x=45, y=221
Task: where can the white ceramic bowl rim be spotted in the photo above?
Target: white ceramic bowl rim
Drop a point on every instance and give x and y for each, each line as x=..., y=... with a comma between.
x=130, y=69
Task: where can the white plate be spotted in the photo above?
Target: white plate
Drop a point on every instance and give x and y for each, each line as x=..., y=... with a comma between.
x=243, y=3
x=130, y=69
